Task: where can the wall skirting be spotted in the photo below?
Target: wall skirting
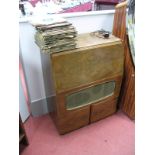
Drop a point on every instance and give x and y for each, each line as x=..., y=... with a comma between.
x=42, y=106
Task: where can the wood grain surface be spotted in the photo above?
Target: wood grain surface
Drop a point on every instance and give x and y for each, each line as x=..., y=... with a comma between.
x=82, y=66
x=95, y=61
x=127, y=94
x=103, y=109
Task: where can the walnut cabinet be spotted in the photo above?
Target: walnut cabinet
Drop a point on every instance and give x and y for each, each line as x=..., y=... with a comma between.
x=87, y=81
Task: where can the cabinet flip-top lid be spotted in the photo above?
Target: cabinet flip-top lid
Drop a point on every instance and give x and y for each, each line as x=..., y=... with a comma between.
x=94, y=59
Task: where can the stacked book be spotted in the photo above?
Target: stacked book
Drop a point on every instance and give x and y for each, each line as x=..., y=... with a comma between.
x=55, y=35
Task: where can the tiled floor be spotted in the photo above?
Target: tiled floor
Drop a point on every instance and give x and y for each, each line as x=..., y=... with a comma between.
x=111, y=136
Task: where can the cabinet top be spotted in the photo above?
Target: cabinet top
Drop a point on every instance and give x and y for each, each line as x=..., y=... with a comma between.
x=88, y=40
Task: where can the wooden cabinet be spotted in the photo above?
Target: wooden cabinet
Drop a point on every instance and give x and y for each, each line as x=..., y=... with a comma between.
x=127, y=98
x=87, y=81
x=127, y=95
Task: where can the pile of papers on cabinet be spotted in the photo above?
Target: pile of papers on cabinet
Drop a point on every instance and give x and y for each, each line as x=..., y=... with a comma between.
x=55, y=35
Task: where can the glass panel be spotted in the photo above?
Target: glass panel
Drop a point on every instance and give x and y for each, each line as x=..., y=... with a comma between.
x=90, y=95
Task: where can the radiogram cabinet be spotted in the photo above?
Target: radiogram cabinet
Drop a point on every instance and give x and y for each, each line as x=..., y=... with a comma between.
x=87, y=81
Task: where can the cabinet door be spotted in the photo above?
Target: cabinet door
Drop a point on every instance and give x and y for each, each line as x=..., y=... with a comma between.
x=103, y=109
x=73, y=120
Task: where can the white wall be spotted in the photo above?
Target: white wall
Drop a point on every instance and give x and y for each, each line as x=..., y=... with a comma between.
x=22, y=103
x=31, y=62
x=92, y=21
x=37, y=65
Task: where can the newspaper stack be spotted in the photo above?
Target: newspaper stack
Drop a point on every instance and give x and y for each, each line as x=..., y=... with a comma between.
x=55, y=35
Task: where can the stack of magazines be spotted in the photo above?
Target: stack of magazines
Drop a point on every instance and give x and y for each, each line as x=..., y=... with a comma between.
x=55, y=35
